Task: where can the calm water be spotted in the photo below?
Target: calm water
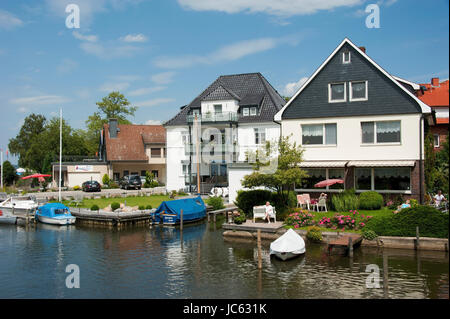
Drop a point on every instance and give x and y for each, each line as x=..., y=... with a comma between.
x=156, y=263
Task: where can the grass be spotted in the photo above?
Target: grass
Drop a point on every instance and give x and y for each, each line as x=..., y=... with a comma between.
x=376, y=214
x=154, y=200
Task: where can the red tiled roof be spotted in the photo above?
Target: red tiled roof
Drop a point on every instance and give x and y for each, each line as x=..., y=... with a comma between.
x=129, y=145
x=442, y=120
x=435, y=96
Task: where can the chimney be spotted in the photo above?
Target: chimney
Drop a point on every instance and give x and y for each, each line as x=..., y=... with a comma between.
x=435, y=82
x=363, y=49
x=113, y=129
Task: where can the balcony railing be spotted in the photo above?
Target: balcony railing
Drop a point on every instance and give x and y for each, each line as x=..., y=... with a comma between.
x=217, y=148
x=214, y=117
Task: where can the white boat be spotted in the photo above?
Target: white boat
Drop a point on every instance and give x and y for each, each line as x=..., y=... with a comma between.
x=288, y=246
x=18, y=205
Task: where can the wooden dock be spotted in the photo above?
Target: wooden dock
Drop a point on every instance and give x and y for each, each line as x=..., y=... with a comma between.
x=225, y=211
x=111, y=218
x=250, y=226
x=344, y=244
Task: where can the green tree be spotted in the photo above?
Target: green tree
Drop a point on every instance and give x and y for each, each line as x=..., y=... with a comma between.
x=429, y=163
x=277, y=167
x=442, y=161
x=32, y=127
x=9, y=173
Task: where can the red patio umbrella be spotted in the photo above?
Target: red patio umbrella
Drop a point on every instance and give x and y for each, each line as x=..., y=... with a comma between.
x=36, y=176
x=329, y=182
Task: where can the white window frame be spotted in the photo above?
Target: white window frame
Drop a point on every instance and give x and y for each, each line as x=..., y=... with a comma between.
x=375, y=141
x=383, y=191
x=434, y=140
x=245, y=111
x=329, y=93
x=253, y=108
x=258, y=131
x=324, y=142
x=351, y=91
x=344, y=61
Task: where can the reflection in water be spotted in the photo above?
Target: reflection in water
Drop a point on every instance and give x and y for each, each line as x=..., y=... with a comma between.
x=158, y=262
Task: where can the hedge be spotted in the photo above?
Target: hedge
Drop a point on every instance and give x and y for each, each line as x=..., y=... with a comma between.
x=370, y=200
x=431, y=222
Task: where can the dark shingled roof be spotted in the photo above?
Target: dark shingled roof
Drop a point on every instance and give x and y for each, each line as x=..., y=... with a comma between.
x=248, y=89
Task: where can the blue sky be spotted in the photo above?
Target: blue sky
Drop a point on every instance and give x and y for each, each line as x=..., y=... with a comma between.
x=162, y=54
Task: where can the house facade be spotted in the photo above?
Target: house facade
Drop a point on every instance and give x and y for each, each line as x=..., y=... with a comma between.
x=231, y=117
x=357, y=123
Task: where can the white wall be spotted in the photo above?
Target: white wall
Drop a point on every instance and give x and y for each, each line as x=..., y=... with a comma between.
x=227, y=106
x=235, y=176
x=349, y=145
x=246, y=136
x=175, y=154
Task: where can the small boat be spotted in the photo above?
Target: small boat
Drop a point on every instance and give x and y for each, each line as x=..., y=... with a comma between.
x=169, y=212
x=19, y=205
x=288, y=246
x=7, y=218
x=55, y=214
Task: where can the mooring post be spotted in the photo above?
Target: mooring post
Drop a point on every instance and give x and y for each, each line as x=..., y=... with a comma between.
x=259, y=249
x=385, y=275
x=416, y=243
x=181, y=220
x=350, y=247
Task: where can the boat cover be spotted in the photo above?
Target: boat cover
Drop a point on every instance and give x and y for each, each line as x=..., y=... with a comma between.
x=57, y=210
x=193, y=208
x=290, y=242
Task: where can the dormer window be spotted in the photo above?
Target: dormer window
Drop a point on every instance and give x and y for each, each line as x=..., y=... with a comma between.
x=253, y=111
x=346, y=57
x=250, y=111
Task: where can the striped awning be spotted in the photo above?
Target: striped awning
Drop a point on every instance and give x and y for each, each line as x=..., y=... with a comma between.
x=381, y=163
x=325, y=164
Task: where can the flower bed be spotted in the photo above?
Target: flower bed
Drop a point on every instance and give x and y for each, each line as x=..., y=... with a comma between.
x=299, y=219
x=353, y=221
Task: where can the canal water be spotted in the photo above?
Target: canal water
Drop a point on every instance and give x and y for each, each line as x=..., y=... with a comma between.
x=155, y=262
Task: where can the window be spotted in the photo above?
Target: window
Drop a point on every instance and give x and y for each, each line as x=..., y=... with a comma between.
x=383, y=179
x=358, y=91
x=185, y=169
x=143, y=173
x=253, y=111
x=336, y=173
x=346, y=57
x=116, y=176
x=155, y=152
x=245, y=111
x=185, y=138
x=337, y=92
x=126, y=173
x=195, y=112
x=260, y=136
x=386, y=132
x=319, y=134
x=218, y=109
x=436, y=140
x=315, y=175
x=155, y=173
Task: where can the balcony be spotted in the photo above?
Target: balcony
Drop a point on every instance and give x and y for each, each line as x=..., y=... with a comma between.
x=218, y=148
x=214, y=117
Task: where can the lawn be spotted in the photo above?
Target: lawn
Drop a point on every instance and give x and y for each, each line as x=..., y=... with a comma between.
x=153, y=200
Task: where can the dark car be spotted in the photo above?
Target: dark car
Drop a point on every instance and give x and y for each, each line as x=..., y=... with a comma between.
x=131, y=181
x=91, y=186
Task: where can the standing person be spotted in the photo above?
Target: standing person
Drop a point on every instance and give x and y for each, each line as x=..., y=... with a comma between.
x=269, y=212
x=439, y=198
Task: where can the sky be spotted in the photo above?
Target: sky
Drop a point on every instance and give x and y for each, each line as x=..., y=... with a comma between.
x=162, y=53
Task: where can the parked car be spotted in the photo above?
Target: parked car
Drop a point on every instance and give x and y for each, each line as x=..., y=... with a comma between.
x=91, y=186
x=131, y=181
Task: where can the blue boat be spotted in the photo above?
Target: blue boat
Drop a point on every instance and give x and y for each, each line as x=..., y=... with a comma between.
x=55, y=214
x=168, y=213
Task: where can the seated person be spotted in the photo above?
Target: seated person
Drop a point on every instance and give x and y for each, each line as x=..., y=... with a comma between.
x=269, y=212
x=438, y=199
x=407, y=204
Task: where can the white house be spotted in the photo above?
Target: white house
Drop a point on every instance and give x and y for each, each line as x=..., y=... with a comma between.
x=234, y=115
x=358, y=123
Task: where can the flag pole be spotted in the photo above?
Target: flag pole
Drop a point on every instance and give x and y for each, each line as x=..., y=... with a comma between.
x=1, y=169
x=60, y=154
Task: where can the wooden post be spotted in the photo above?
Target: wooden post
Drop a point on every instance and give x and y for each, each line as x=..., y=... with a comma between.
x=350, y=247
x=385, y=276
x=181, y=220
x=259, y=249
x=416, y=243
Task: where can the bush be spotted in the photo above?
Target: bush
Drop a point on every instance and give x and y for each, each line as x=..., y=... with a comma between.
x=370, y=200
x=76, y=188
x=299, y=218
x=141, y=207
x=314, y=234
x=431, y=222
x=343, y=222
x=115, y=206
x=240, y=219
x=282, y=207
x=215, y=202
x=148, y=207
x=245, y=200
x=95, y=207
x=345, y=201
x=369, y=234
x=106, y=180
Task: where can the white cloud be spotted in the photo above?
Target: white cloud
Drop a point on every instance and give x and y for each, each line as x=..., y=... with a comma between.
x=154, y=102
x=230, y=52
x=285, y=8
x=163, y=78
x=109, y=52
x=89, y=38
x=39, y=100
x=9, y=20
x=134, y=38
x=109, y=87
x=153, y=122
x=144, y=91
x=67, y=65
x=292, y=87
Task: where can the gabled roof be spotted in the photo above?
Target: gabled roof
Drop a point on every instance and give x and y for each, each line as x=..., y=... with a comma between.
x=129, y=145
x=247, y=89
x=423, y=107
x=436, y=96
